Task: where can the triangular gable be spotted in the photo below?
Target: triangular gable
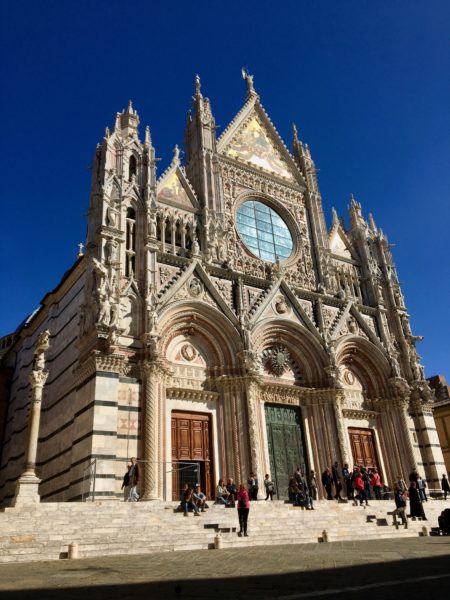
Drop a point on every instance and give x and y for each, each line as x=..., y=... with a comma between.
x=340, y=245
x=253, y=145
x=173, y=188
x=280, y=290
x=350, y=310
x=209, y=294
x=252, y=139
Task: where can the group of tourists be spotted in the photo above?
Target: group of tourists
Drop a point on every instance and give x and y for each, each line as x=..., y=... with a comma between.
x=358, y=485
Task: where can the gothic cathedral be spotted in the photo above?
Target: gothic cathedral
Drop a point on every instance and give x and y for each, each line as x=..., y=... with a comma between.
x=215, y=327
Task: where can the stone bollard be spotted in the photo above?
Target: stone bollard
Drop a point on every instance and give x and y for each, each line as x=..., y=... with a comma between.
x=73, y=550
x=218, y=542
x=324, y=535
x=424, y=531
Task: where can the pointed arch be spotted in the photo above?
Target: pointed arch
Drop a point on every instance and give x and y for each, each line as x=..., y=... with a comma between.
x=367, y=361
x=220, y=337
x=305, y=350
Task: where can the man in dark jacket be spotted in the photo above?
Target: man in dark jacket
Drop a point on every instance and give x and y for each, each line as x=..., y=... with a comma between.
x=133, y=480
x=337, y=481
x=327, y=482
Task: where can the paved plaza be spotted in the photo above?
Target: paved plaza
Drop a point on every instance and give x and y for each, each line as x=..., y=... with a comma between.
x=392, y=568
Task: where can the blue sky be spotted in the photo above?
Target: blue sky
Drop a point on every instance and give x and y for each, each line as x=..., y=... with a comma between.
x=368, y=84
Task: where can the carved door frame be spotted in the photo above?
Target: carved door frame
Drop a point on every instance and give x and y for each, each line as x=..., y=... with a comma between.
x=195, y=430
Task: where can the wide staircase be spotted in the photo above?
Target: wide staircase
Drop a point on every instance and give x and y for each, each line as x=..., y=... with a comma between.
x=112, y=527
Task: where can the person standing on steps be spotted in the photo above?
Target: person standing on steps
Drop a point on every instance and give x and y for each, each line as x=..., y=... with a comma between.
x=243, y=507
x=415, y=503
x=360, y=489
x=126, y=484
x=270, y=488
x=133, y=480
x=327, y=482
x=313, y=485
x=400, y=507
x=376, y=483
x=348, y=482
x=421, y=486
x=337, y=481
x=253, y=486
x=445, y=486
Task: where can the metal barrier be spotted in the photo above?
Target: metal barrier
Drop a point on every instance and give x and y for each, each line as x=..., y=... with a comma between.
x=112, y=469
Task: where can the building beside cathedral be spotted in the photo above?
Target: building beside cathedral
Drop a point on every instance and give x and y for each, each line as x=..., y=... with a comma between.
x=215, y=321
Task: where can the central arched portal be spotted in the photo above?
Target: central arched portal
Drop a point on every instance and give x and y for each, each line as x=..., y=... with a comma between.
x=286, y=444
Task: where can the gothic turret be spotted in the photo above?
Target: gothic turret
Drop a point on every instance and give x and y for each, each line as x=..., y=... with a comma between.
x=201, y=153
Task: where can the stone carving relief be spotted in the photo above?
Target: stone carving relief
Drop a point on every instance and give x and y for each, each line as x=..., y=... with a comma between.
x=188, y=352
x=280, y=305
x=195, y=287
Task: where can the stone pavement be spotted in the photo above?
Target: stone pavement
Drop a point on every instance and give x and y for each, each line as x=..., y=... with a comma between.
x=382, y=569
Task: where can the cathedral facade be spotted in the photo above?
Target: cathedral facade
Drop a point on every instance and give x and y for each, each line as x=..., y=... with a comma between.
x=215, y=323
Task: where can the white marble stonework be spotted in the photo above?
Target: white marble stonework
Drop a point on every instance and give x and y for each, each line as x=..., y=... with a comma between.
x=217, y=290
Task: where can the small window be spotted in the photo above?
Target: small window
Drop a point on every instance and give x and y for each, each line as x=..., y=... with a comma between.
x=132, y=167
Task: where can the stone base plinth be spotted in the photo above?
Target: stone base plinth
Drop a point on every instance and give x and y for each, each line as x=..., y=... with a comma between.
x=27, y=492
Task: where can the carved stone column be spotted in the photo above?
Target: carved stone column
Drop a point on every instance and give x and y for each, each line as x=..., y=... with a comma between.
x=253, y=391
x=153, y=375
x=338, y=404
x=27, y=487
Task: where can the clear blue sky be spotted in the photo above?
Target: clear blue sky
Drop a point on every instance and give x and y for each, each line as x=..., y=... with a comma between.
x=368, y=84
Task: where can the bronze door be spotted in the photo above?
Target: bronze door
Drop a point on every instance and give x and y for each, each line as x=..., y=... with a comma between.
x=285, y=442
x=191, y=452
x=363, y=448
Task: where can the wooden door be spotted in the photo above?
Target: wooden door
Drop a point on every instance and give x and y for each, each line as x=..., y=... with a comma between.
x=363, y=448
x=191, y=452
x=285, y=442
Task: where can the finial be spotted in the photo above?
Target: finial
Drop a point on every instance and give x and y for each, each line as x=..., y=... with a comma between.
x=249, y=80
x=80, y=250
x=130, y=107
x=148, y=137
x=373, y=227
x=294, y=132
x=107, y=133
x=176, y=154
x=335, y=216
x=198, y=85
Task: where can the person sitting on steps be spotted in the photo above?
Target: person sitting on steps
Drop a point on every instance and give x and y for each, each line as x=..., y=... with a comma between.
x=199, y=498
x=188, y=502
x=232, y=490
x=222, y=494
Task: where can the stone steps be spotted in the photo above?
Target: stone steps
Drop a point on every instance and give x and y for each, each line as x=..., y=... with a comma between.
x=100, y=528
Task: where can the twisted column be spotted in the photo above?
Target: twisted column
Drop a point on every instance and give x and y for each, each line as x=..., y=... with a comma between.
x=153, y=374
x=337, y=405
x=255, y=443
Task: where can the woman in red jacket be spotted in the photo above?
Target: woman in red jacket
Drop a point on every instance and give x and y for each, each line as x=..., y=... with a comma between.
x=359, y=487
x=375, y=482
x=243, y=507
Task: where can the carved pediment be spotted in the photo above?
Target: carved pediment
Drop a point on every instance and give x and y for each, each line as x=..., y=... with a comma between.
x=173, y=188
x=253, y=145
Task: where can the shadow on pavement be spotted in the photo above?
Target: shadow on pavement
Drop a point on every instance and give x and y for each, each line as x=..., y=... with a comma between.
x=424, y=578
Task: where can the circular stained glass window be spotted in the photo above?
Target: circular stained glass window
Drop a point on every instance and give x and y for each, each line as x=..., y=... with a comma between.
x=263, y=231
